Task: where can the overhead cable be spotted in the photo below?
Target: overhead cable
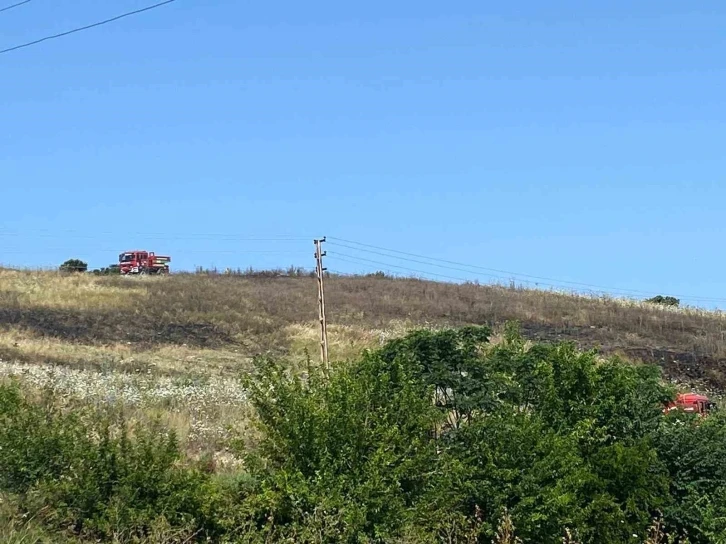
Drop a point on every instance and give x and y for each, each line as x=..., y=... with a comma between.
x=87, y=27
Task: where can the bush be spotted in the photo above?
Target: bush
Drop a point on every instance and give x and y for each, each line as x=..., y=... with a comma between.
x=439, y=430
x=85, y=472
x=112, y=270
x=74, y=265
x=351, y=454
x=694, y=452
x=664, y=301
x=554, y=436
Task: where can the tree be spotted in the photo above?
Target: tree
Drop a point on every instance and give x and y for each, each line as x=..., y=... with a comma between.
x=664, y=301
x=355, y=446
x=74, y=265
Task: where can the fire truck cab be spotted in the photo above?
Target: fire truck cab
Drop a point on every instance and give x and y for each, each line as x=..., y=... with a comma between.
x=692, y=403
x=143, y=262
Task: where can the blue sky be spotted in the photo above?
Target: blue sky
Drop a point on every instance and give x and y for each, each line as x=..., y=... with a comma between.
x=571, y=140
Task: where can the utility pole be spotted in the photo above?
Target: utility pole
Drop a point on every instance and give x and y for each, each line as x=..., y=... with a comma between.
x=319, y=270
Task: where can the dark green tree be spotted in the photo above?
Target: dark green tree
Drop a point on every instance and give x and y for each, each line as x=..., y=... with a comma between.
x=356, y=446
x=74, y=265
x=664, y=301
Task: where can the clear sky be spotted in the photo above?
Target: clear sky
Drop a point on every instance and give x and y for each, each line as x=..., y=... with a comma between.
x=580, y=141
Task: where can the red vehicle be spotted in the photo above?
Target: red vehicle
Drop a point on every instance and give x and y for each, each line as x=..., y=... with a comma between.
x=692, y=402
x=143, y=262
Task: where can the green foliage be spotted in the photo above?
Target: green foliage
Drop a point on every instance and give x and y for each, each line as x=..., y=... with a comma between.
x=96, y=479
x=450, y=362
x=356, y=445
x=436, y=437
x=664, y=301
x=694, y=451
x=555, y=437
x=16, y=527
x=112, y=270
x=74, y=265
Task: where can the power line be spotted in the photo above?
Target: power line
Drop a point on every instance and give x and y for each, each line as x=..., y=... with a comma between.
x=496, y=270
x=516, y=275
x=357, y=260
x=152, y=236
x=186, y=251
x=459, y=269
x=361, y=260
x=87, y=27
x=14, y=5
x=426, y=263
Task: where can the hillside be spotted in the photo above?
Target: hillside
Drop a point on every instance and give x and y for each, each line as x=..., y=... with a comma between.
x=213, y=323
x=175, y=347
x=262, y=454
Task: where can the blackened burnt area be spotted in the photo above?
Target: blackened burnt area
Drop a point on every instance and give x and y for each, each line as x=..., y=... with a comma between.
x=677, y=364
x=105, y=327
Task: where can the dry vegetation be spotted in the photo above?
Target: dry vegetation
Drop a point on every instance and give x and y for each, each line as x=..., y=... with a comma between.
x=175, y=346
x=212, y=323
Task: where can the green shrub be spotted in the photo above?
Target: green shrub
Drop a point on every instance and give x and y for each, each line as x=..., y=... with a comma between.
x=694, y=452
x=93, y=477
x=555, y=436
x=439, y=432
x=73, y=265
x=352, y=452
x=112, y=270
x=664, y=301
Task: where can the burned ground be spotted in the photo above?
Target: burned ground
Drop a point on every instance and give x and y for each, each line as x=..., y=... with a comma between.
x=99, y=327
x=255, y=314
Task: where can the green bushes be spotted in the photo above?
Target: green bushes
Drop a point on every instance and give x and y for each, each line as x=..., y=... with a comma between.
x=356, y=448
x=695, y=457
x=437, y=436
x=85, y=472
x=74, y=265
x=111, y=270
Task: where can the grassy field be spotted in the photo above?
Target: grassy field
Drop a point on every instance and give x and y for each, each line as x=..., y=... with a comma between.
x=174, y=347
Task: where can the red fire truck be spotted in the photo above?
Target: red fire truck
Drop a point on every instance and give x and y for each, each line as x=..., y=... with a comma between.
x=692, y=402
x=143, y=262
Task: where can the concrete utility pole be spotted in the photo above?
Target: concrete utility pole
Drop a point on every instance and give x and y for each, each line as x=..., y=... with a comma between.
x=319, y=270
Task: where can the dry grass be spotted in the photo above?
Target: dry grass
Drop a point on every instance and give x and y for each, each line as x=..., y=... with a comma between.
x=22, y=345
x=220, y=320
